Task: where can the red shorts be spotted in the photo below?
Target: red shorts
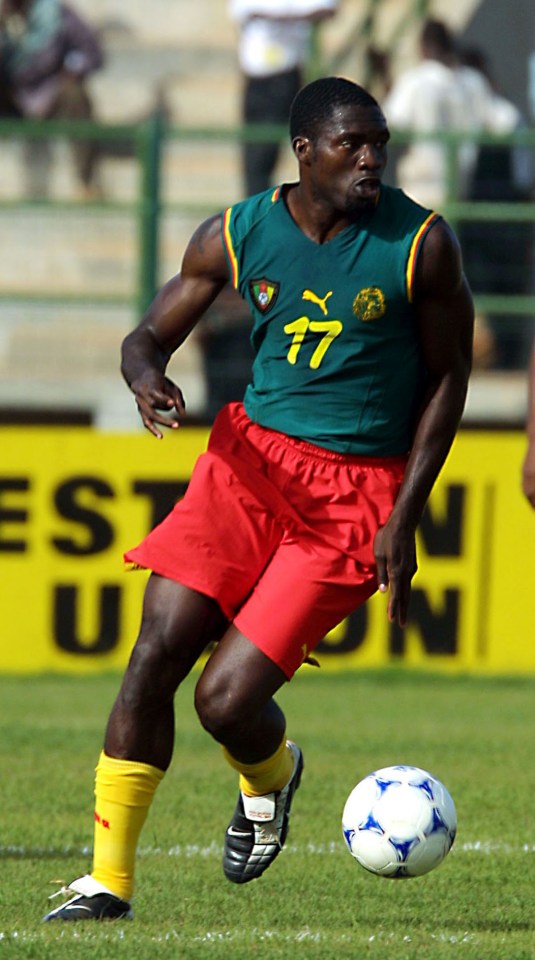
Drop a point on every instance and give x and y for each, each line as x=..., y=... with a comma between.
x=278, y=531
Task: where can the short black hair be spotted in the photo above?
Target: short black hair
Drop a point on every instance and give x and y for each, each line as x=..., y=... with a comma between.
x=315, y=104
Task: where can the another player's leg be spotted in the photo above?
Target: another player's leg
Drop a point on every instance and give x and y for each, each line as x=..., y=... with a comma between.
x=234, y=699
x=177, y=625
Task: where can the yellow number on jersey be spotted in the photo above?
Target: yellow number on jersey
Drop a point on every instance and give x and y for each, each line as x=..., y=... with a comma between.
x=329, y=328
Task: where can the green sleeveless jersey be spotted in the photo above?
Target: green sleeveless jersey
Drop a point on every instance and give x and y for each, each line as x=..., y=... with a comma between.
x=337, y=357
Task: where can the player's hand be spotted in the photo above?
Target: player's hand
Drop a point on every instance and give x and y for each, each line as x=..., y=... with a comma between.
x=395, y=556
x=528, y=475
x=159, y=401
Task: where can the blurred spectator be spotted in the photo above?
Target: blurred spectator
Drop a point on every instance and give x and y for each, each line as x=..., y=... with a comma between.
x=528, y=467
x=47, y=51
x=436, y=95
x=498, y=255
x=273, y=49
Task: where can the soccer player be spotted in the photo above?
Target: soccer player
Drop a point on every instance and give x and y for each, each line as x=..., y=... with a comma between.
x=308, y=497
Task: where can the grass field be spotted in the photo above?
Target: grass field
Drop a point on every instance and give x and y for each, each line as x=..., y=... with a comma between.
x=315, y=902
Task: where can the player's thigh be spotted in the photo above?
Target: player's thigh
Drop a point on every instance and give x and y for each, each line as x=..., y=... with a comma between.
x=177, y=625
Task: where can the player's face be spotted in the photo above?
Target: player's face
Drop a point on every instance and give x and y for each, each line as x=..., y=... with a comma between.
x=347, y=161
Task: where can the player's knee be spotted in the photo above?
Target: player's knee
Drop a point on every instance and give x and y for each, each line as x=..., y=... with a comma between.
x=220, y=709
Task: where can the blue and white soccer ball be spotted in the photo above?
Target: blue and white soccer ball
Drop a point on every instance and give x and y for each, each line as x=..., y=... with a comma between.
x=399, y=822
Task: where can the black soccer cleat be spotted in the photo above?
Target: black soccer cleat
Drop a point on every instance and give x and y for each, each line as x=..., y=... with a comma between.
x=92, y=902
x=259, y=827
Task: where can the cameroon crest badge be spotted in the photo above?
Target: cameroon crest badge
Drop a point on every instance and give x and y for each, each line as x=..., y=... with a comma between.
x=264, y=293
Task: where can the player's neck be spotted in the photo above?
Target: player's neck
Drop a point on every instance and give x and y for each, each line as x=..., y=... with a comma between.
x=319, y=222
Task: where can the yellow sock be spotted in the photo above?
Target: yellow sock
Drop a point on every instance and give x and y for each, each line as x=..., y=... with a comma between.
x=257, y=779
x=123, y=792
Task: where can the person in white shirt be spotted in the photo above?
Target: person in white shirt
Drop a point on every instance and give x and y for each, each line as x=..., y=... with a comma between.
x=273, y=49
x=437, y=95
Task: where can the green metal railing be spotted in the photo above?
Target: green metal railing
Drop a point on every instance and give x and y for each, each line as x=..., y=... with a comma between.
x=148, y=208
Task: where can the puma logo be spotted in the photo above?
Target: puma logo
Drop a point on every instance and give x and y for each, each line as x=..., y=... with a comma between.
x=310, y=295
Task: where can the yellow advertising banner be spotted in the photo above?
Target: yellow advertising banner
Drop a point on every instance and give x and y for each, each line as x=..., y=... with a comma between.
x=72, y=500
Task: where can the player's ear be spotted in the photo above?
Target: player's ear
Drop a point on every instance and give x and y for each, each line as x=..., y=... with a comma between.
x=302, y=147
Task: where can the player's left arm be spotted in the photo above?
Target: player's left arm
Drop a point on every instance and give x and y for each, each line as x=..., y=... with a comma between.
x=445, y=318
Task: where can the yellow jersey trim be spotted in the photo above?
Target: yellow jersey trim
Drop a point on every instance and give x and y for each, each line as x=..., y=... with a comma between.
x=413, y=254
x=227, y=239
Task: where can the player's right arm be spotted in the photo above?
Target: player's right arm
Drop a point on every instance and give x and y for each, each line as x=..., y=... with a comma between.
x=172, y=315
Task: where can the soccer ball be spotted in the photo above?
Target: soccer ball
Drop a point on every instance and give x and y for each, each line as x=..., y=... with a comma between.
x=399, y=822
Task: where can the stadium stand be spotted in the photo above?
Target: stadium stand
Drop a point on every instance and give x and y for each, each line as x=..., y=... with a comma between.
x=179, y=57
